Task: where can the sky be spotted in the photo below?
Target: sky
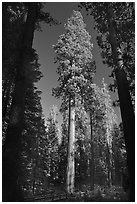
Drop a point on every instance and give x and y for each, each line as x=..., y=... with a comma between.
x=43, y=42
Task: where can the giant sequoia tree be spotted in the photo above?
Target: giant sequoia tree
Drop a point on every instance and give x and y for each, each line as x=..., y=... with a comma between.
x=115, y=23
x=75, y=63
x=14, y=129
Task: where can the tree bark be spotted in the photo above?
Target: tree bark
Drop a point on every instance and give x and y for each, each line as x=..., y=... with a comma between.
x=92, y=154
x=109, y=165
x=126, y=107
x=11, y=191
x=71, y=148
x=128, y=119
x=80, y=169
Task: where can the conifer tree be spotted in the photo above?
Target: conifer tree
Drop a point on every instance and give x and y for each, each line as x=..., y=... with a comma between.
x=119, y=154
x=52, y=147
x=92, y=104
x=115, y=22
x=74, y=55
x=109, y=121
x=22, y=80
x=33, y=144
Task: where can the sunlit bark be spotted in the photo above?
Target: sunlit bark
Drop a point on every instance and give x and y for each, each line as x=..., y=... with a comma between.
x=71, y=149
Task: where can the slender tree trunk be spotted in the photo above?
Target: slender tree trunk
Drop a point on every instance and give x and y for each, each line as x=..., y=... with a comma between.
x=117, y=174
x=11, y=148
x=80, y=167
x=109, y=152
x=5, y=99
x=35, y=165
x=4, y=88
x=71, y=148
x=126, y=107
x=92, y=154
x=34, y=179
x=109, y=164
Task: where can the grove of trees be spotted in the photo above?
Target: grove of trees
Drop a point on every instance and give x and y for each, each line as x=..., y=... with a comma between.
x=90, y=152
x=116, y=26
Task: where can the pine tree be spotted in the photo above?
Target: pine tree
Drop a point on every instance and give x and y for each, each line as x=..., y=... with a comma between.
x=52, y=147
x=75, y=61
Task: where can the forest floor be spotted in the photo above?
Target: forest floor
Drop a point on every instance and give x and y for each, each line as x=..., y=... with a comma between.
x=82, y=193
x=99, y=194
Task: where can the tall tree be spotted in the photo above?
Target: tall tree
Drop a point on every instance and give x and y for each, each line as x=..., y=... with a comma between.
x=75, y=61
x=24, y=59
x=109, y=121
x=16, y=116
x=116, y=25
x=92, y=104
x=119, y=154
x=33, y=142
x=89, y=106
x=13, y=25
x=52, y=147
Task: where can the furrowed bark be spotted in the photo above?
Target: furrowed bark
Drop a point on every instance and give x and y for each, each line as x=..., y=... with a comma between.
x=11, y=191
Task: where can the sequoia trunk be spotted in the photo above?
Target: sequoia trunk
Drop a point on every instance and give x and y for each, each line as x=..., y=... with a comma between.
x=11, y=192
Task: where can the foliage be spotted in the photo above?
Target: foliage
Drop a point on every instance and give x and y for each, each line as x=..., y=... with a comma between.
x=32, y=153
x=119, y=153
x=22, y=101
x=103, y=116
x=14, y=19
x=124, y=25
x=116, y=35
x=73, y=52
x=100, y=194
x=52, y=146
